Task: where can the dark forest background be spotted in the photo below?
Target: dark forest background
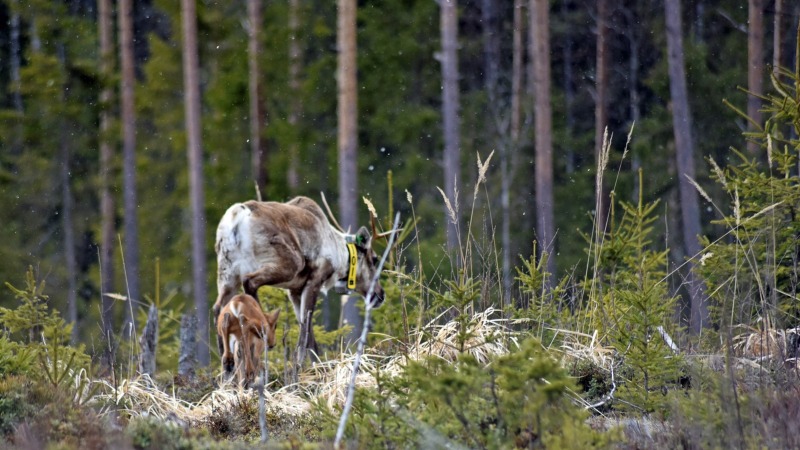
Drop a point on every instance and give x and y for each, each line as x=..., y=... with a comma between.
x=69, y=146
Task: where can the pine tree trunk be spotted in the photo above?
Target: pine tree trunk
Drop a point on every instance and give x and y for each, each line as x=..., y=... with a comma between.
x=67, y=206
x=601, y=106
x=491, y=51
x=292, y=176
x=777, y=36
x=15, y=58
x=107, y=226
x=545, y=227
x=755, y=65
x=258, y=114
x=517, y=70
x=128, y=112
x=348, y=137
x=513, y=148
x=450, y=111
x=569, y=92
x=191, y=86
x=681, y=122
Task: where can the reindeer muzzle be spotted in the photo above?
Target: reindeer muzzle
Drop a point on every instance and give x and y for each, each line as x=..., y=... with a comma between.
x=377, y=298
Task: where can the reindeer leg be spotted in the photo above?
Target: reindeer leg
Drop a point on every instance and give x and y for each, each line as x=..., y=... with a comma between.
x=308, y=302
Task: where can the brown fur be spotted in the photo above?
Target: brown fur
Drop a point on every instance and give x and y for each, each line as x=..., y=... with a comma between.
x=244, y=319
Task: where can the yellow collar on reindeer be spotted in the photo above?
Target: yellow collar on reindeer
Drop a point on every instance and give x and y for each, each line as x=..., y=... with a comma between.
x=353, y=262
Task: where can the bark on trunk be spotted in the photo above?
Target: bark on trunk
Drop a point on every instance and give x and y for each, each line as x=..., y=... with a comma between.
x=191, y=86
x=292, y=177
x=15, y=57
x=777, y=36
x=348, y=133
x=513, y=148
x=131, y=259
x=148, y=343
x=450, y=110
x=690, y=208
x=545, y=228
x=601, y=106
x=188, y=337
x=348, y=118
x=569, y=92
x=107, y=227
x=258, y=113
x=67, y=206
x=755, y=65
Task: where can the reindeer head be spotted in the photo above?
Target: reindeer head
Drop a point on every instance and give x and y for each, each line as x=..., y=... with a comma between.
x=367, y=268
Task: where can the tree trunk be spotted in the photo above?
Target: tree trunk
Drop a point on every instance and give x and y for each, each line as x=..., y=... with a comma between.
x=569, y=92
x=292, y=177
x=507, y=150
x=148, y=343
x=67, y=206
x=491, y=51
x=107, y=227
x=517, y=70
x=777, y=36
x=632, y=34
x=188, y=337
x=348, y=114
x=755, y=65
x=545, y=228
x=681, y=122
x=450, y=109
x=131, y=259
x=601, y=106
x=258, y=114
x=191, y=89
x=348, y=134
x=15, y=58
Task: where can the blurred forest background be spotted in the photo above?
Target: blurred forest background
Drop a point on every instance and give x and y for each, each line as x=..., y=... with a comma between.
x=124, y=137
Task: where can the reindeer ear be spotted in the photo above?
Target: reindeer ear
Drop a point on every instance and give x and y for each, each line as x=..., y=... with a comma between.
x=272, y=317
x=363, y=237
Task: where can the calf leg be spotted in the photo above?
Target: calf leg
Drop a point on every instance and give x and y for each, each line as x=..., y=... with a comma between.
x=227, y=356
x=227, y=290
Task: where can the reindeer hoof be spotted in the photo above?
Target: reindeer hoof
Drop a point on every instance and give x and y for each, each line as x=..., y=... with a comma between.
x=227, y=365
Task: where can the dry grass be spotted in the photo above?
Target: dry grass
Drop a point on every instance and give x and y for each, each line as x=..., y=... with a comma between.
x=325, y=382
x=586, y=347
x=141, y=397
x=765, y=343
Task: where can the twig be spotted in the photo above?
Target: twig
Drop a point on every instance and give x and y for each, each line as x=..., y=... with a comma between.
x=670, y=343
x=262, y=409
x=362, y=342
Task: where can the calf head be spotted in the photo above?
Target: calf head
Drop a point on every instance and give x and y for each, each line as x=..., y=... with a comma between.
x=367, y=268
x=271, y=320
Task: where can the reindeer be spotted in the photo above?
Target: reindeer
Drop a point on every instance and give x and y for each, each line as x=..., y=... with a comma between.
x=291, y=246
x=243, y=327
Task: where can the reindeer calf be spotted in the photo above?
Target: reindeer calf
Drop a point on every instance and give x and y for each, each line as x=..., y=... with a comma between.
x=243, y=326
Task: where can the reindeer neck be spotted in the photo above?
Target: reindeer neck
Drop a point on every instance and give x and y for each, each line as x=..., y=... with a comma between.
x=348, y=261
